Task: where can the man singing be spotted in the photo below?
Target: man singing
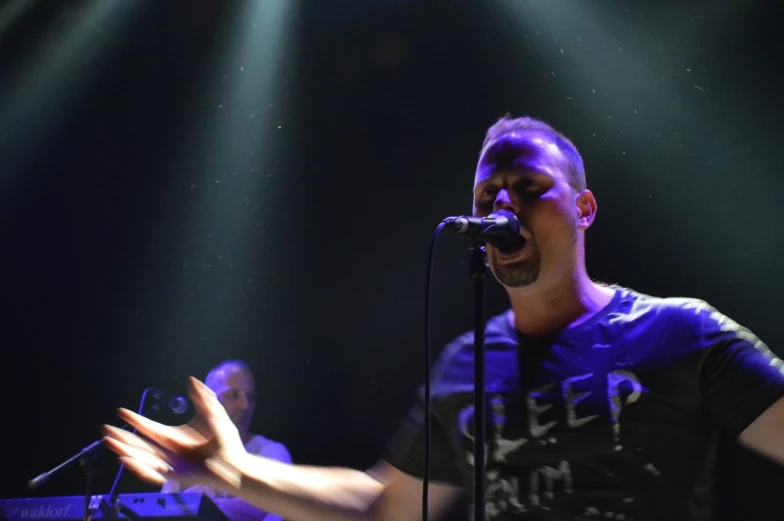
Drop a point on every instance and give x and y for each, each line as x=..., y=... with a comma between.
x=604, y=403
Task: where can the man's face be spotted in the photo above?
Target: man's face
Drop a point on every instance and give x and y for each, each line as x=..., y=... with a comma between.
x=236, y=391
x=525, y=172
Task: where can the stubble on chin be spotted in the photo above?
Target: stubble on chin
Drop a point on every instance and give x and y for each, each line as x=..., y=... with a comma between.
x=517, y=275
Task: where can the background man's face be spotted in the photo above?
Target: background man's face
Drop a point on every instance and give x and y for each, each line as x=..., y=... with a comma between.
x=236, y=391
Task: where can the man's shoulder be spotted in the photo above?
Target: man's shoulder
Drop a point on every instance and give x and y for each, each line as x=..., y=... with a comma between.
x=686, y=317
x=263, y=446
x=670, y=315
x=635, y=303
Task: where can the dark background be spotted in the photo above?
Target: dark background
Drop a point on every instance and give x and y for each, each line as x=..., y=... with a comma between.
x=170, y=198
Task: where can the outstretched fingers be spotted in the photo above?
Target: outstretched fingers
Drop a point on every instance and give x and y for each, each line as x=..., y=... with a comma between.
x=143, y=471
x=127, y=452
x=204, y=399
x=170, y=438
x=132, y=440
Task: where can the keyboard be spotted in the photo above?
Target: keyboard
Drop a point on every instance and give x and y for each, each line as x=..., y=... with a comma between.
x=135, y=507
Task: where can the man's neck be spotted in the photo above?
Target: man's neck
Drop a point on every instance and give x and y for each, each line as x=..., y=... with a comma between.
x=549, y=310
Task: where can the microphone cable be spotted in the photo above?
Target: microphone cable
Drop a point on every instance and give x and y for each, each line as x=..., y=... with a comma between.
x=112, y=493
x=428, y=432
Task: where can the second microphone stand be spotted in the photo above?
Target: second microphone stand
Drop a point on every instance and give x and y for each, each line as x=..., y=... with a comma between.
x=86, y=458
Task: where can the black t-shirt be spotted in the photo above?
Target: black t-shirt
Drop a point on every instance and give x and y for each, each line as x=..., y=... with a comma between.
x=615, y=419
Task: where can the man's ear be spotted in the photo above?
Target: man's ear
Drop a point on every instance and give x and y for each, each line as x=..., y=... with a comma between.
x=585, y=204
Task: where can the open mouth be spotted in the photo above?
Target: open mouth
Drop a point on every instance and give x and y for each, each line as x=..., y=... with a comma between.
x=514, y=251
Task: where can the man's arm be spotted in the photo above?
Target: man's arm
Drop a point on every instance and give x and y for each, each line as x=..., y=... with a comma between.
x=401, y=499
x=336, y=494
x=237, y=509
x=766, y=434
x=216, y=457
x=742, y=384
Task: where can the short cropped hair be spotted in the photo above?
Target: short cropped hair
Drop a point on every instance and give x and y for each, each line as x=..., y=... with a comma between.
x=505, y=125
x=213, y=374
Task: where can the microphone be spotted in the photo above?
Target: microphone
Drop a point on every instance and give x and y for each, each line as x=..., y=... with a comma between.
x=176, y=404
x=500, y=228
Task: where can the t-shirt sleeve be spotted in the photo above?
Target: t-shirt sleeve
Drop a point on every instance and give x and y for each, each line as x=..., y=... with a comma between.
x=276, y=451
x=406, y=450
x=739, y=375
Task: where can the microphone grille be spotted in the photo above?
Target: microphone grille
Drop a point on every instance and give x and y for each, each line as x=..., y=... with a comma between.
x=514, y=222
x=178, y=405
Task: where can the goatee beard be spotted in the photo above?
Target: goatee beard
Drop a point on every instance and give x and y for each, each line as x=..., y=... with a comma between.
x=520, y=274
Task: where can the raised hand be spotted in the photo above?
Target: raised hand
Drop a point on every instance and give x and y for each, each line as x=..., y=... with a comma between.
x=205, y=451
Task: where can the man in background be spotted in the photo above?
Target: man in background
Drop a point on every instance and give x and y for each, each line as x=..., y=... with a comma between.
x=234, y=384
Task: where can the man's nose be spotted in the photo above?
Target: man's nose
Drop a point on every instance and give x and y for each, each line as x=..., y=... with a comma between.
x=243, y=402
x=504, y=201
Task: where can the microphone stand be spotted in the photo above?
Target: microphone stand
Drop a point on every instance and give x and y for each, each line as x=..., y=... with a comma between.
x=504, y=226
x=86, y=458
x=478, y=273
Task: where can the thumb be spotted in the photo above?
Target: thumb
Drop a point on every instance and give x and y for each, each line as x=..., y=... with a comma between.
x=212, y=417
x=205, y=402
